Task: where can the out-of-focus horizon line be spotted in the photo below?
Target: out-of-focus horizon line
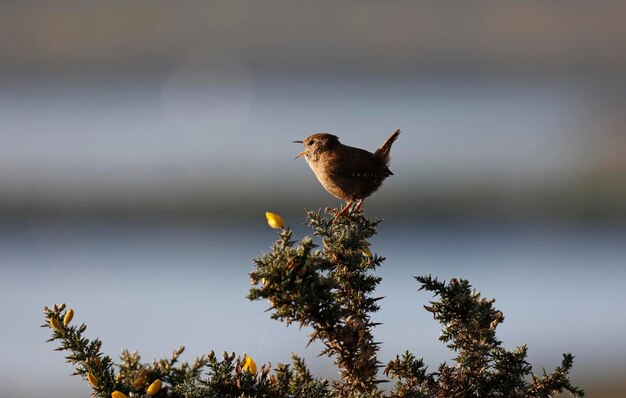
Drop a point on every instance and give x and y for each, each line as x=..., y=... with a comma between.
x=453, y=206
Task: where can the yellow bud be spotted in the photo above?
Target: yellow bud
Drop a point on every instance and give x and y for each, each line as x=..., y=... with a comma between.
x=274, y=220
x=154, y=387
x=93, y=380
x=96, y=361
x=142, y=372
x=249, y=365
x=118, y=394
x=139, y=381
x=68, y=317
x=366, y=250
x=140, y=378
x=54, y=324
x=118, y=378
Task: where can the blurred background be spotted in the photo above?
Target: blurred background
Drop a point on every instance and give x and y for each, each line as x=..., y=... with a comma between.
x=141, y=143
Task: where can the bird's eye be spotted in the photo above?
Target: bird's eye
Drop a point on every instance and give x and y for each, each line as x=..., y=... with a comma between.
x=310, y=142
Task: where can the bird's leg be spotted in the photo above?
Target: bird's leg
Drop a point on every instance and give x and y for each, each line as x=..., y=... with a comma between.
x=358, y=205
x=342, y=212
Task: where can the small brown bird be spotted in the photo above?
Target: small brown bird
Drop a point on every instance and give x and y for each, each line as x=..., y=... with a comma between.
x=348, y=173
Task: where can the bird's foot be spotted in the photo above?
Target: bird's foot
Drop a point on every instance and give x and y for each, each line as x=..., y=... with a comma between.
x=358, y=206
x=343, y=212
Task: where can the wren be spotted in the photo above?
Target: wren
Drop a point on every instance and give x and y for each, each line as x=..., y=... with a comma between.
x=348, y=173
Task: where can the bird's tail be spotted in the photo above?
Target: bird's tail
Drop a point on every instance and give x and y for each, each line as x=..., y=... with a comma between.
x=382, y=154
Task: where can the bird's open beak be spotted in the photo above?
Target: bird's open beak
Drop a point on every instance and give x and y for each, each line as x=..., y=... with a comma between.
x=301, y=153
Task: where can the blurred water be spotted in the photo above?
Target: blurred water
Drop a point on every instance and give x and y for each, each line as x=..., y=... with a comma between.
x=152, y=287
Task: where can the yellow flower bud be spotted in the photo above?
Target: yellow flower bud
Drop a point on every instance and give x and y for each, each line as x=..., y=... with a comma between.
x=140, y=377
x=93, y=380
x=139, y=381
x=118, y=394
x=274, y=220
x=249, y=365
x=154, y=387
x=68, y=317
x=365, y=249
x=54, y=324
x=118, y=378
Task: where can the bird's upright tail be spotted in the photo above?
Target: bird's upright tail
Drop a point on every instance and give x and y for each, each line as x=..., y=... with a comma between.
x=382, y=154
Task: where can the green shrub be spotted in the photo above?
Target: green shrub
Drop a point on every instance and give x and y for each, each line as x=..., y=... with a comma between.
x=330, y=289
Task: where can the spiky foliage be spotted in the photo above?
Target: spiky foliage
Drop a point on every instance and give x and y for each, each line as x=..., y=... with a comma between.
x=206, y=377
x=330, y=290
x=297, y=381
x=84, y=354
x=482, y=367
x=228, y=378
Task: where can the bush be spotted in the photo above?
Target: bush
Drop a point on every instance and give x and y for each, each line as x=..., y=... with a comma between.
x=332, y=291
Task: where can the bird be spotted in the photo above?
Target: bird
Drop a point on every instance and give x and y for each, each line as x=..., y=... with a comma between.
x=348, y=173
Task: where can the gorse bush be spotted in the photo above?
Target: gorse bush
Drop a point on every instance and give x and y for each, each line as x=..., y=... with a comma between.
x=330, y=287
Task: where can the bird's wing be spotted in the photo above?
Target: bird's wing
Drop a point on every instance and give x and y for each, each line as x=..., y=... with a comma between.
x=360, y=164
